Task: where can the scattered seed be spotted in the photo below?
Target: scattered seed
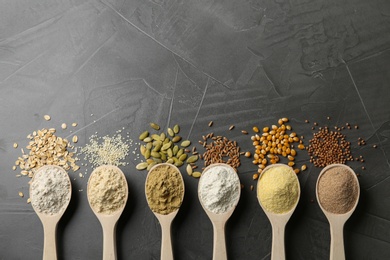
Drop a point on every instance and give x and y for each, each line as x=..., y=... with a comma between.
x=248, y=154
x=155, y=126
x=47, y=117
x=189, y=169
x=363, y=168
x=192, y=159
x=296, y=171
x=306, y=121
x=74, y=124
x=374, y=146
x=14, y=168
x=63, y=126
x=176, y=129
x=196, y=174
x=255, y=176
x=143, y=135
x=231, y=127
x=244, y=132
x=210, y=123
x=75, y=139
x=15, y=145
x=21, y=194
x=255, y=129
x=303, y=167
x=170, y=132
x=28, y=200
x=141, y=166
x=185, y=143
x=176, y=139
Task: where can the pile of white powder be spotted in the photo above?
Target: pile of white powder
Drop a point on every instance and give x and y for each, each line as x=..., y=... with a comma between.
x=219, y=189
x=50, y=190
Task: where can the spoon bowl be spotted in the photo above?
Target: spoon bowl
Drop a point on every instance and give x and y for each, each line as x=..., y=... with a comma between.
x=166, y=220
x=278, y=220
x=337, y=221
x=108, y=221
x=50, y=221
x=219, y=220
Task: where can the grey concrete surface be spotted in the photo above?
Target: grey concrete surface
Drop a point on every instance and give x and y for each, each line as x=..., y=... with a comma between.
x=188, y=62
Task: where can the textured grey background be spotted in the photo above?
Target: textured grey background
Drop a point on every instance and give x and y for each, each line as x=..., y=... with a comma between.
x=189, y=62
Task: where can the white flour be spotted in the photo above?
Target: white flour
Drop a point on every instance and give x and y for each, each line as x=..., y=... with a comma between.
x=219, y=189
x=50, y=190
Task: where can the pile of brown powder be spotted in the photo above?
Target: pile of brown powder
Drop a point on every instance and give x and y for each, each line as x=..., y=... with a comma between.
x=164, y=189
x=337, y=190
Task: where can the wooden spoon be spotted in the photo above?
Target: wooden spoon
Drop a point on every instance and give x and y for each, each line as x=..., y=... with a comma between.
x=109, y=221
x=50, y=222
x=166, y=220
x=278, y=221
x=219, y=220
x=337, y=221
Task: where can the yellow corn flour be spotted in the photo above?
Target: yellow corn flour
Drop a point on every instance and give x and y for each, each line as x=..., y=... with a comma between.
x=164, y=189
x=278, y=189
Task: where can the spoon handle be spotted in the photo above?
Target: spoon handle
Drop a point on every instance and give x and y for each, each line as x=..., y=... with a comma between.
x=337, y=241
x=49, y=244
x=219, y=250
x=278, y=252
x=166, y=243
x=109, y=241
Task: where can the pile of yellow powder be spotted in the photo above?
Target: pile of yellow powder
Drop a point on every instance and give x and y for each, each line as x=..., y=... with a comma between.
x=278, y=189
x=107, y=189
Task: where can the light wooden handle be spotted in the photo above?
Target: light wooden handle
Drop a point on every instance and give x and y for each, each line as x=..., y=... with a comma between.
x=109, y=241
x=278, y=252
x=49, y=244
x=166, y=243
x=337, y=241
x=219, y=249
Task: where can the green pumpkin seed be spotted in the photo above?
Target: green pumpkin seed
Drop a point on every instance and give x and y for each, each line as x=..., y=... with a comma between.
x=176, y=129
x=178, y=163
x=141, y=166
x=155, y=137
x=171, y=161
x=157, y=160
x=185, y=143
x=142, y=149
x=175, y=149
x=166, y=146
x=180, y=152
x=149, y=161
x=155, y=154
x=183, y=157
x=155, y=126
x=163, y=156
x=189, y=169
x=149, y=146
x=192, y=159
x=151, y=165
x=147, y=139
x=170, y=132
x=143, y=135
x=147, y=154
x=196, y=174
x=175, y=159
x=162, y=137
x=157, y=147
x=169, y=152
x=176, y=139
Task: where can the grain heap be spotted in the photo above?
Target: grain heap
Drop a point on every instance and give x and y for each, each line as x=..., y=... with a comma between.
x=45, y=148
x=106, y=150
x=165, y=147
x=276, y=141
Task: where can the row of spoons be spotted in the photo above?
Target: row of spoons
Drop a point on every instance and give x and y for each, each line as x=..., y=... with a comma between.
x=278, y=221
